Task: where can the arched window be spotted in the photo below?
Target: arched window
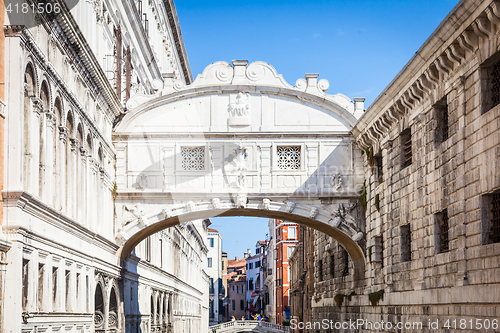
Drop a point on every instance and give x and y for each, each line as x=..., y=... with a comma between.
x=44, y=95
x=113, y=310
x=99, y=307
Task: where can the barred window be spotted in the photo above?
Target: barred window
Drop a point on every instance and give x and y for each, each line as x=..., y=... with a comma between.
x=345, y=262
x=320, y=270
x=495, y=85
x=288, y=157
x=442, y=231
x=441, y=115
x=405, y=243
x=406, y=144
x=193, y=158
x=495, y=221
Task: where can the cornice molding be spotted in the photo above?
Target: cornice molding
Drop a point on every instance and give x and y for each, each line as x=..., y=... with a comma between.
x=439, y=59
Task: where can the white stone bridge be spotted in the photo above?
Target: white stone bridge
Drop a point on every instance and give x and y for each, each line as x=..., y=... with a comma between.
x=248, y=326
x=239, y=141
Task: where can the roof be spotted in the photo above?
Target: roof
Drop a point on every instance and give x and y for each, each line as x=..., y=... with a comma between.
x=236, y=263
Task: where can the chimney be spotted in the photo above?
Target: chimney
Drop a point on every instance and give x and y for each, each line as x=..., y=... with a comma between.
x=249, y=252
x=245, y=255
x=236, y=258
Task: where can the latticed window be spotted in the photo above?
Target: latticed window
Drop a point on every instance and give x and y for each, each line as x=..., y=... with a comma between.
x=407, y=152
x=193, y=158
x=495, y=220
x=442, y=220
x=495, y=85
x=288, y=157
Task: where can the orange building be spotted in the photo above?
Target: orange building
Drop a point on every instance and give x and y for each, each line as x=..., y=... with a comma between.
x=286, y=240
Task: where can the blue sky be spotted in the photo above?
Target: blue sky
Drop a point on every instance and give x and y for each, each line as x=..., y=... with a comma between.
x=359, y=46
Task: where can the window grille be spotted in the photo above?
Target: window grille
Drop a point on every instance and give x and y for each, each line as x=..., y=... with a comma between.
x=445, y=127
x=405, y=243
x=289, y=158
x=345, y=262
x=320, y=270
x=193, y=158
x=495, y=85
x=443, y=231
x=495, y=221
x=332, y=266
x=407, y=152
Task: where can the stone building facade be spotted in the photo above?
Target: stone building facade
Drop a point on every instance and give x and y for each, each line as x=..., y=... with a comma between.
x=68, y=80
x=431, y=198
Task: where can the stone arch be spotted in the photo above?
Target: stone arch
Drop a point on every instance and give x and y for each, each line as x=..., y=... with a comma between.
x=89, y=145
x=303, y=214
x=70, y=123
x=58, y=109
x=79, y=133
x=99, y=306
x=30, y=78
x=45, y=95
x=113, y=311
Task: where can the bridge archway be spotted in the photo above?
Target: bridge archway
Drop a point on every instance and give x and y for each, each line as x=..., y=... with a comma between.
x=239, y=141
x=310, y=216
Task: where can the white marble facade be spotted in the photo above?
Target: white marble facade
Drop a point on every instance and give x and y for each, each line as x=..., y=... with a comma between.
x=62, y=98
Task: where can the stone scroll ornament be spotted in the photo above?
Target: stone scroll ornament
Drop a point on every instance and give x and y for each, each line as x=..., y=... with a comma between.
x=343, y=216
x=239, y=111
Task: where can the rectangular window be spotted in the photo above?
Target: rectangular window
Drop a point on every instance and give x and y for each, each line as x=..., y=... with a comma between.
x=193, y=158
x=211, y=242
x=257, y=264
x=250, y=284
x=242, y=304
x=441, y=115
x=147, y=243
x=68, y=295
x=378, y=250
x=288, y=157
x=491, y=218
x=233, y=288
x=442, y=240
x=233, y=305
x=41, y=273
x=332, y=265
x=292, y=233
x=490, y=87
x=290, y=250
x=250, y=266
x=406, y=148
x=54, y=288
x=345, y=262
x=26, y=265
x=379, y=171
x=209, y=262
x=405, y=243
x=320, y=270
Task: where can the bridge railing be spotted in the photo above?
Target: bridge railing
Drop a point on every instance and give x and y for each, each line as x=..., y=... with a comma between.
x=250, y=324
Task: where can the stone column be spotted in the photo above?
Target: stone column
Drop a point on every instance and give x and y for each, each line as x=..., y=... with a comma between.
x=82, y=204
x=42, y=192
x=72, y=195
x=34, y=145
x=61, y=183
x=48, y=190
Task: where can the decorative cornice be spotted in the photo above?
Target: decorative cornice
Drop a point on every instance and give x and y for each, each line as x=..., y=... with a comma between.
x=13, y=30
x=428, y=69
